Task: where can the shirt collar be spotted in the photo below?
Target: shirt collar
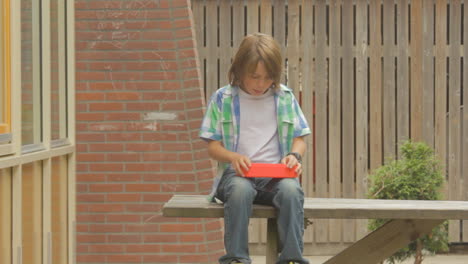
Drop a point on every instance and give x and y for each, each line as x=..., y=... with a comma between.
x=235, y=90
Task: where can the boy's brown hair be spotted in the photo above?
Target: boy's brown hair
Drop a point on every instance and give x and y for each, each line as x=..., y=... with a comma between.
x=253, y=49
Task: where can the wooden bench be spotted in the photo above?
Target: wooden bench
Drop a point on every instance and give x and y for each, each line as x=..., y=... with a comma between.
x=409, y=220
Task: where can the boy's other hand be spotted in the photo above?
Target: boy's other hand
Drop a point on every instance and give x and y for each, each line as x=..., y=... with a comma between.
x=240, y=163
x=290, y=161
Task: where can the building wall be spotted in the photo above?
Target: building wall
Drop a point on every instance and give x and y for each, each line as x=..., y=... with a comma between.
x=139, y=106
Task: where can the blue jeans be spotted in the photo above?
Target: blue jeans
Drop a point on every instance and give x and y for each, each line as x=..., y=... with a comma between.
x=239, y=193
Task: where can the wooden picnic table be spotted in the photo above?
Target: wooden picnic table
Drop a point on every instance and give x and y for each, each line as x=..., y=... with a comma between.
x=408, y=220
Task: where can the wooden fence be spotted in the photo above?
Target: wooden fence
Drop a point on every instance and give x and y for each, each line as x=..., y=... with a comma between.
x=369, y=74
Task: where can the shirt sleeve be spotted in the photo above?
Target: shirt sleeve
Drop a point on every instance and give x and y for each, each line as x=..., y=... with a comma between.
x=211, y=125
x=301, y=128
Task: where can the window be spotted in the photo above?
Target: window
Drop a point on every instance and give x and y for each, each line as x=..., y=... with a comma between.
x=58, y=71
x=5, y=85
x=31, y=84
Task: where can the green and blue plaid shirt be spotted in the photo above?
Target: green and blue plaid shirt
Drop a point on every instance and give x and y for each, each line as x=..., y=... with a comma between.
x=222, y=122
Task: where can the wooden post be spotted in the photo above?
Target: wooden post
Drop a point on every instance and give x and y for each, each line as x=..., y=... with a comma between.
x=272, y=241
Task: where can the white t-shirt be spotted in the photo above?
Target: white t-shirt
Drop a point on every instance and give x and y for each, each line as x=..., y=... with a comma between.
x=258, y=138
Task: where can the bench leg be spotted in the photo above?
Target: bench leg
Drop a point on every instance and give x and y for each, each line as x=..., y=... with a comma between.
x=383, y=242
x=272, y=241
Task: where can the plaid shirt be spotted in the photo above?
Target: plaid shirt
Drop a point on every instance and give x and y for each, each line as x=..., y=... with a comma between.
x=222, y=122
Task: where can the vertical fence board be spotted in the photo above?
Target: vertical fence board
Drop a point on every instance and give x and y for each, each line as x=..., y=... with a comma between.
x=198, y=18
x=238, y=22
x=292, y=51
x=279, y=30
x=464, y=142
x=265, y=18
x=321, y=173
x=375, y=89
x=212, y=47
x=389, y=119
x=416, y=69
x=252, y=16
x=307, y=103
x=279, y=22
x=334, y=109
x=402, y=82
x=197, y=10
x=428, y=73
x=441, y=83
x=224, y=41
x=348, y=93
x=362, y=109
x=454, y=113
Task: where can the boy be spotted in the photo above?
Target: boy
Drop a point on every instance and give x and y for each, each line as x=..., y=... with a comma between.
x=256, y=119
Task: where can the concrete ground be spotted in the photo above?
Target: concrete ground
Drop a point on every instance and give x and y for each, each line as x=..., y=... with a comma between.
x=437, y=259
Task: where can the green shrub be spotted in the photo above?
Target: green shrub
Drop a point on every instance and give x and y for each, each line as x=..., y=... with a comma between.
x=417, y=175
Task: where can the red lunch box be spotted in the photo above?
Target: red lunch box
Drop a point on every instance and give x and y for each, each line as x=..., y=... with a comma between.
x=270, y=171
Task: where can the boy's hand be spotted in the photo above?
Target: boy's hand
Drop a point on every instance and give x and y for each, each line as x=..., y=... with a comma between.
x=290, y=161
x=240, y=163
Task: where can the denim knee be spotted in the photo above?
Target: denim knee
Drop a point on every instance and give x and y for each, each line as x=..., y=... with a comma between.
x=240, y=190
x=290, y=189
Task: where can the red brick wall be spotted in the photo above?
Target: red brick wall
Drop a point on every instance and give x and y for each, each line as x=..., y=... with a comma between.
x=139, y=106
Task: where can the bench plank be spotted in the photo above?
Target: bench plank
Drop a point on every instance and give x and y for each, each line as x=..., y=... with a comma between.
x=331, y=208
x=199, y=206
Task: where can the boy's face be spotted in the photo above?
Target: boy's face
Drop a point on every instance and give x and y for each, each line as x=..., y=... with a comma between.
x=257, y=83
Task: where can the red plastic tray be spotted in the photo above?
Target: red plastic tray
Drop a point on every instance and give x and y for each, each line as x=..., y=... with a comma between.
x=270, y=171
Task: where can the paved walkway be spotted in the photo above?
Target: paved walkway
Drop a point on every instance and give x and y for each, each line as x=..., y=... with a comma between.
x=438, y=259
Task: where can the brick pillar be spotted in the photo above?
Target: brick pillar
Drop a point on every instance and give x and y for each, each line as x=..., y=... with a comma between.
x=139, y=107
